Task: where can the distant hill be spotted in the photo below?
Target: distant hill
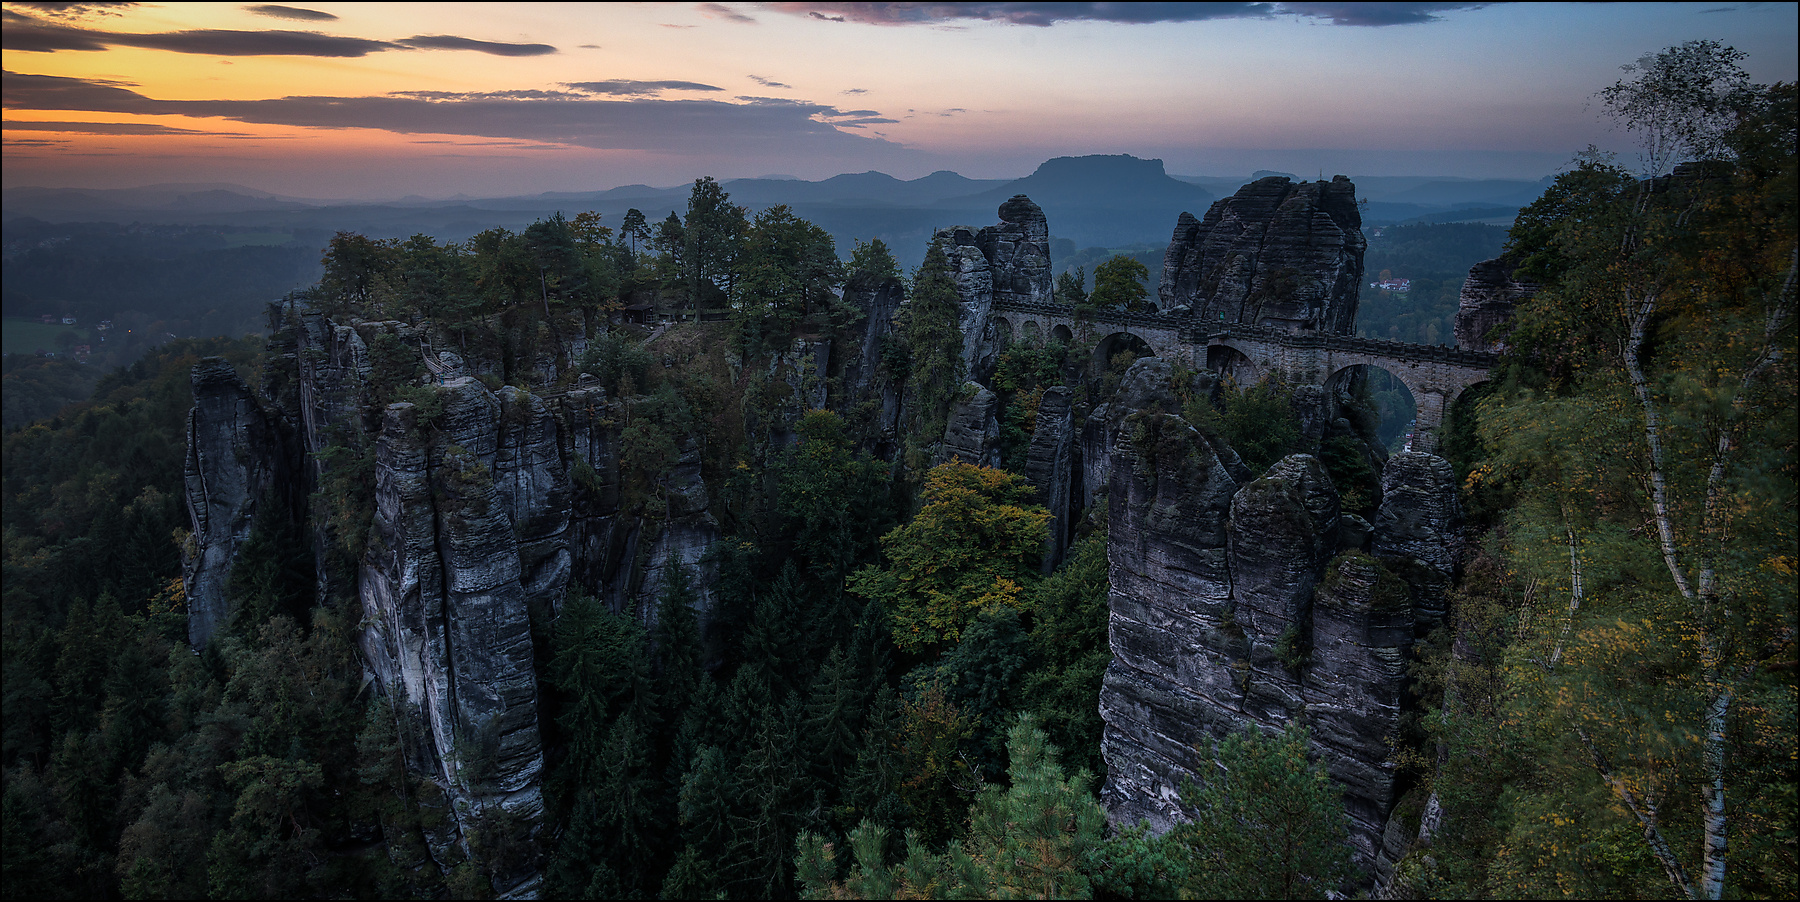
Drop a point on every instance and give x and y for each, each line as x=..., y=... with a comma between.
x=1106, y=200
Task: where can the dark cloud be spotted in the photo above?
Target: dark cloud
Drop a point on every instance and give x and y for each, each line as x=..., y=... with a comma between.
x=452, y=42
x=625, y=87
x=854, y=91
x=27, y=34
x=75, y=10
x=24, y=33
x=112, y=128
x=1044, y=14
x=768, y=82
x=757, y=125
x=291, y=12
x=1376, y=14
x=221, y=42
x=714, y=10
x=488, y=95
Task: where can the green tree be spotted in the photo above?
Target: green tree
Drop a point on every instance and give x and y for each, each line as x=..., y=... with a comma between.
x=1119, y=284
x=714, y=239
x=1682, y=102
x=1071, y=288
x=931, y=322
x=1032, y=838
x=1259, y=423
x=1646, y=485
x=833, y=502
x=356, y=269
x=871, y=263
x=1267, y=822
x=634, y=228
x=788, y=273
x=974, y=545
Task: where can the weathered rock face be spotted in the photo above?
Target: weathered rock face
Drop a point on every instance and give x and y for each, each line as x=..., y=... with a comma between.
x=1284, y=530
x=1170, y=682
x=1418, y=529
x=1048, y=467
x=1489, y=296
x=447, y=598
x=860, y=373
x=973, y=432
x=687, y=532
x=532, y=480
x=236, y=462
x=1353, y=683
x=488, y=507
x=1018, y=252
x=1253, y=605
x=974, y=278
x=1275, y=253
x=1009, y=261
x=591, y=445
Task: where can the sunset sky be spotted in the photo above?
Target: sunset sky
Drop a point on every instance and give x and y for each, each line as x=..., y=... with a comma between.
x=376, y=101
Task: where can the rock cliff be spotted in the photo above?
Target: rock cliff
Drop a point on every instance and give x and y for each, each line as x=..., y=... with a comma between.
x=1275, y=253
x=485, y=507
x=972, y=433
x=235, y=465
x=1008, y=261
x=1489, y=295
x=1050, y=465
x=1251, y=603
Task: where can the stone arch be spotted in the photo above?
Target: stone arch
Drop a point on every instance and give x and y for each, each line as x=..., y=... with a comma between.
x=1434, y=390
x=1031, y=332
x=1232, y=363
x=1061, y=333
x=1398, y=415
x=1115, y=343
x=1003, y=332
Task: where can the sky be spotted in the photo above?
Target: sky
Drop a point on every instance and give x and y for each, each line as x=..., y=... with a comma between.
x=378, y=101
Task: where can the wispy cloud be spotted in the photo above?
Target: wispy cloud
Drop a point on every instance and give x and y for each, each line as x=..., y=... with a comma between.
x=758, y=124
x=625, y=87
x=487, y=95
x=73, y=11
x=1046, y=14
x=1376, y=14
x=291, y=12
x=719, y=11
x=452, y=42
x=768, y=82
x=29, y=34
x=110, y=128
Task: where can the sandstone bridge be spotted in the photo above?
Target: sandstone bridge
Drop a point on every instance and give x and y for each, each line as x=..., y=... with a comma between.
x=1435, y=375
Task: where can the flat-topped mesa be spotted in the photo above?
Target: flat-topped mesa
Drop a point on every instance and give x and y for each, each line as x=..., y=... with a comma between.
x=1007, y=262
x=1489, y=296
x=1275, y=253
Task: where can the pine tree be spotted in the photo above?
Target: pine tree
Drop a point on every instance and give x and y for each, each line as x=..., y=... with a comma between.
x=1268, y=823
x=931, y=322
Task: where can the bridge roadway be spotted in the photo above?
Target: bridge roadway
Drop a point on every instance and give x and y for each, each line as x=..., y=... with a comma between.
x=1436, y=375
